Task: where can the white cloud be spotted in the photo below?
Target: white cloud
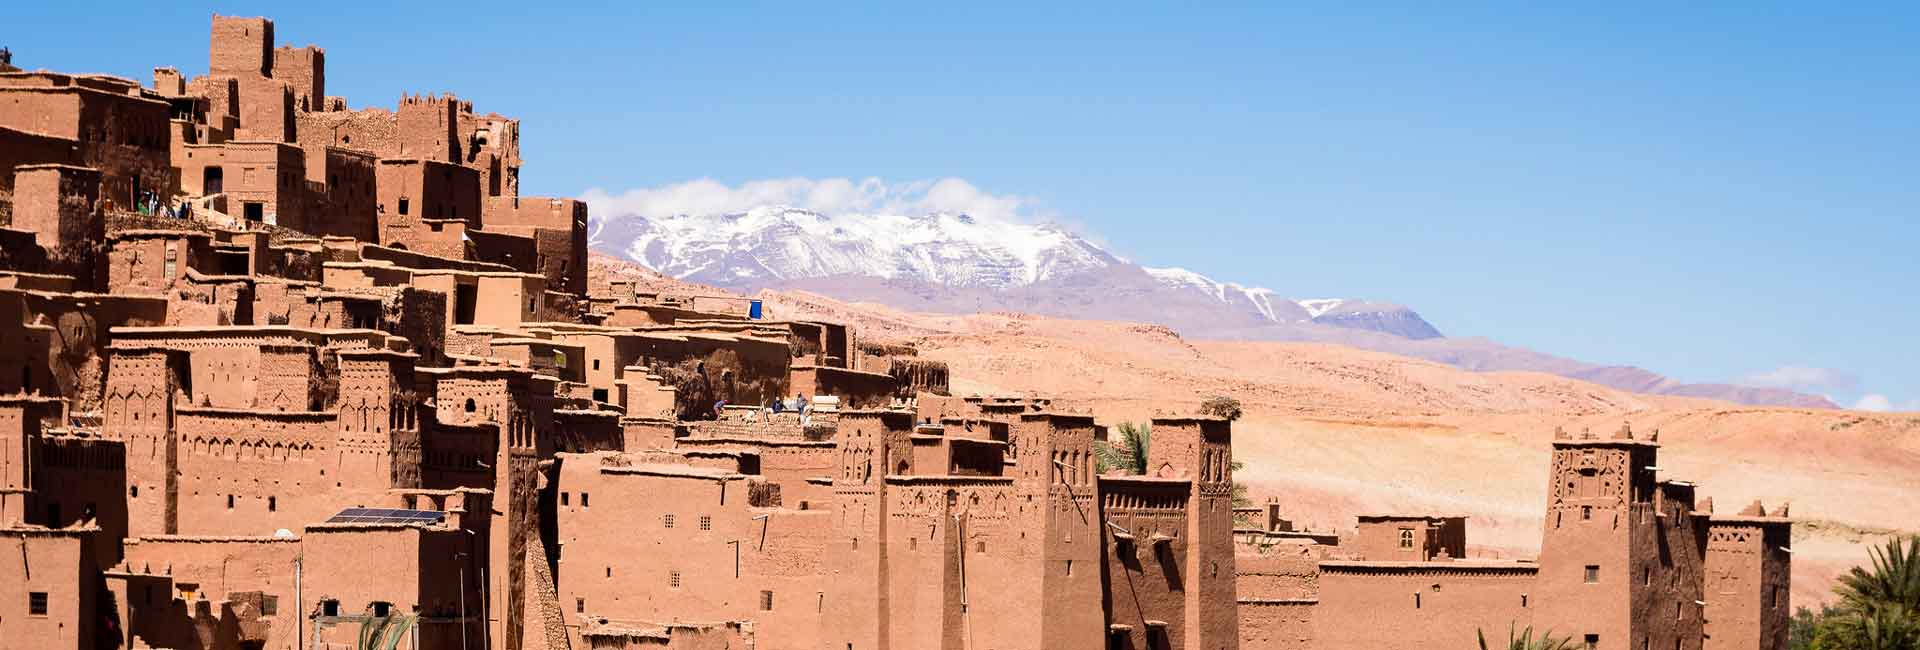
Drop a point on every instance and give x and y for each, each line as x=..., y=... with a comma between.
x=1827, y=382
x=829, y=196
x=1873, y=402
x=1803, y=378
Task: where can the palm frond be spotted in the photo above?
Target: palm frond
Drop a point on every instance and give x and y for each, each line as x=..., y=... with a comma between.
x=1134, y=438
x=1893, y=582
x=1107, y=457
x=1128, y=451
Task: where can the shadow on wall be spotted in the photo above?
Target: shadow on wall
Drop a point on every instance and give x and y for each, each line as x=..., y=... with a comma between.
x=700, y=383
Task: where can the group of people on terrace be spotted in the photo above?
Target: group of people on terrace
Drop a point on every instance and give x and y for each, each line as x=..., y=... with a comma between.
x=800, y=404
x=152, y=204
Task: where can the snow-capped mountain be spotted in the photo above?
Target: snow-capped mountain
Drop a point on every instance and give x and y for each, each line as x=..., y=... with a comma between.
x=773, y=244
x=1370, y=315
x=955, y=262
x=1264, y=301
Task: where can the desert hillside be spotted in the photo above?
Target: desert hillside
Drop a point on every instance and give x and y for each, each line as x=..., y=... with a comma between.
x=1333, y=431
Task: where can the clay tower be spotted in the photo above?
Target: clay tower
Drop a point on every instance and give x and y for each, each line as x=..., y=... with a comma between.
x=1620, y=561
x=872, y=445
x=1200, y=448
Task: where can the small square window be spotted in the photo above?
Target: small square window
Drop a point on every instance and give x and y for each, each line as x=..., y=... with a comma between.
x=673, y=579
x=579, y=604
x=564, y=498
x=1586, y=512
x=666, y=520
x=1593, y=642
x=37, y=603
x=1593, y=573
x=766, y=601
x=706, y=522
x=1406, y=538
x=269, y=605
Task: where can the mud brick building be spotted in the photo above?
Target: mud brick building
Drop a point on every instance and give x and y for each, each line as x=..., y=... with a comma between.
x=1627, y=561
x=347, y=385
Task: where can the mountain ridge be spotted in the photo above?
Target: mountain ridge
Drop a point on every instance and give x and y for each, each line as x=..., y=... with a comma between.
x=778, y=246
x=948, y=262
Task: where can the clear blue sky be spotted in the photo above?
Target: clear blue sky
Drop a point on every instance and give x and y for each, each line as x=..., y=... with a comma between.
x=1713, y=193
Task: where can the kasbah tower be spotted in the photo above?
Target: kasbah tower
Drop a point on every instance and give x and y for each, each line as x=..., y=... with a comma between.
x=285, y=374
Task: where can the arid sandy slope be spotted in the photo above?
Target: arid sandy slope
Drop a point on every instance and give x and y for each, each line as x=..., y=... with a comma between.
x=1334, y=432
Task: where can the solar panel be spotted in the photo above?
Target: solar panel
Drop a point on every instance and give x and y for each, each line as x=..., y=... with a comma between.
x=386, y=516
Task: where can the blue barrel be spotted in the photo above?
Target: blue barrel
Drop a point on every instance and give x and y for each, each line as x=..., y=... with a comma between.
x=753, y=309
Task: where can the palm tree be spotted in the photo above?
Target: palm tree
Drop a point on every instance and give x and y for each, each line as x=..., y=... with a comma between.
x=1889, y=628
x=1893, y=582
x=1129, y=452
x=1879, y=605
x=1526, y=641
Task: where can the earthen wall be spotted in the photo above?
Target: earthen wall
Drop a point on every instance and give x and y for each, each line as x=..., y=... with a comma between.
x=241, y=46
x=60, y=568
x=305, y=70
x=1440, y=604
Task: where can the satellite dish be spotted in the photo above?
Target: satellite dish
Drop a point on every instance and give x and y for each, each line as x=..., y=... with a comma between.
x=283, y=534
